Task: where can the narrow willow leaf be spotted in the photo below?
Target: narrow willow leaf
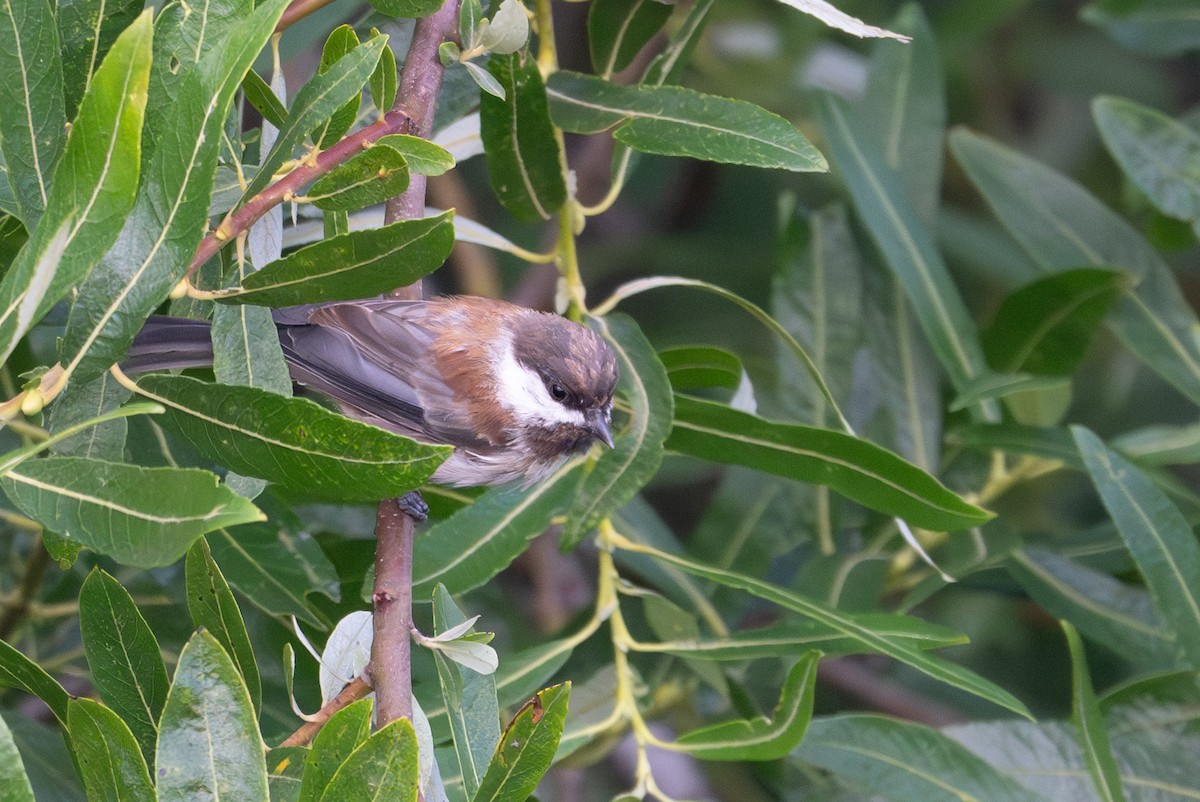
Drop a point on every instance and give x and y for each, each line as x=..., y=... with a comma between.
x=99, y=177
x=618, y=29
x=908, y=761
x=858, y=469
x=341, y=42
x=143, y=517
x=526, y=747
x=834, y=18
x=762, y=738
x=1089, y=722
x=18, y=671
x=291, y=441
x=947, y=672
x=667, y=65
x=275, y=569
x=383, y=79
x=689, y=367
x=33, y=126
x=81, y=403
x=123, y=656
x=523, y=157
x=212, y=607
x=1160, y=155
x=86, y=31
x=260, y=95
x=345, y=731
x=383, y=767
x=1156, y=534
x=672, y=121
x=406, y=8
x=107, y=754
x=989, y=386
x=160, y=235
x=1062, y=227
x=622, y=471
x=1157, y=28
x=20, y=455
x=246, y=349
x=14, y=782
x=369, y=178
x=1161, y=445
x=423, y=156
x=904, y=242
x=208, y=741
x=355, y=265
x=529, y=669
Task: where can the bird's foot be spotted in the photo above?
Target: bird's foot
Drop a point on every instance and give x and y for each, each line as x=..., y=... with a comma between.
x=412, y=505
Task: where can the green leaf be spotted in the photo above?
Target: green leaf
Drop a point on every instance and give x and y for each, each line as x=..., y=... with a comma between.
x=667, y=65
x=143, y=517
x=81, y=403
x=275, y=569
x=246, y=349
x=350, y=266
x=369, y=178
x=123, y=656
x=383, y=79
x=858, y=469
x=1063, y=227
x=345, y=731
x=1154, y=28
x=622, y=471
x=672, y=121
x=482, y=78
x=523, y=156
x=526, y=747
x=949, y=673
x=1093, y=733
x=905, y=761
x=1045, y=327
x=260, y=95
x=384, y=767
x=14, y=783
x=691, y=366
x=905, y=243
x=208, y=741
x=33, y=126
x=1160, y=155
x=762, y=738
x=618, y=29
x=342, y=41
x=18, y=671
x=98, y=178
x=1156, y=534
x=406, y=8
x=169, y=215
x=107, y=754
x=423, y=157
x=508, y=29
x=212, y=607
x=86, y=31
x=292, y=441
x=284, y=767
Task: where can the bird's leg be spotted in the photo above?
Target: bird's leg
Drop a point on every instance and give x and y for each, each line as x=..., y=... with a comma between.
x=414, y=506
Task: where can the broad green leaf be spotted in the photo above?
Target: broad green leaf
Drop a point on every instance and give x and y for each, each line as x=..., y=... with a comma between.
x=212, y=607
x=14, y=783
x=355, y=265
x=618, y=29
x=470, y=699
x=20, y=455
x=692, y=366
x=345, y=731
x=406, y=8
x=86, y=31
x=523, y=157
x=18, y=671
x=369, y=178
x=260, y=95
x=98, y=173
x=857, y=468
x=107, y=754
x=84, y=402
x=1063, y=227
x=285, y=764
x=275, y=569
x=246, y=349
x=622, y=471
x=526, y=747
x=840, y=20
x=905, y=243
x=1156, y=534
x=762, y=738
x=1152, y=27
x=1045, y=327
x=1093, y=732
x=33, y=126
x=673, y=121
x=160, y=235
x=123, y=656
x=947, y=672
x=341, y=42
x=291, y=441
x=1160, y=155
x=143, y=517
x=906, y=761
x=477, y=542
x=423, y=157
x=383, y=79
x=208, y=741
x=383, y=767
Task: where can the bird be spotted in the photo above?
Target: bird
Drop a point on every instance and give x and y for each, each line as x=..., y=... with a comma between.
x=515, y=391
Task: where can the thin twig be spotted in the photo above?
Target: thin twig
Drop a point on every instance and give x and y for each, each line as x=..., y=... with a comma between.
x=356, y=689
x=16, y=608
x=298, y=10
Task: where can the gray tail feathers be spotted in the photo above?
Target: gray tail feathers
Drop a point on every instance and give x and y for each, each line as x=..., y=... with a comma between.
x=166, y=343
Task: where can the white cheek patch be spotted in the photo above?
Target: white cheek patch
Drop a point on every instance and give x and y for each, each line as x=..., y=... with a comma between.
x=522, y=391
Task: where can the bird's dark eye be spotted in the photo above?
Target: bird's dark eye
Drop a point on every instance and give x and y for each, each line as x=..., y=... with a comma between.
x=558, y=392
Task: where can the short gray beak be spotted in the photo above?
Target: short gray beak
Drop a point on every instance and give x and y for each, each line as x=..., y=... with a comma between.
x=598, y=422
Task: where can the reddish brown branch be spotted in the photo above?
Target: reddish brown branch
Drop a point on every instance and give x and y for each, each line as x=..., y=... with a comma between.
x=298, y=10
x=391, y=648
x=357, y=689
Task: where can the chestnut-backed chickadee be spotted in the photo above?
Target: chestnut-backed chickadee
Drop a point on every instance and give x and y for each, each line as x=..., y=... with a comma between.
x=515, y=391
